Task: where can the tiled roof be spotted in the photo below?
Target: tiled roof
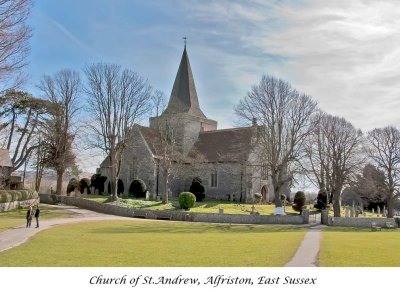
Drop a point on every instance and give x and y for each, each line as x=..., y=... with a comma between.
x=224, y=145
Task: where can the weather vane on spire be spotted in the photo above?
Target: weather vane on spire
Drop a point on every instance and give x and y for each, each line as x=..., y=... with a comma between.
x=185, y=38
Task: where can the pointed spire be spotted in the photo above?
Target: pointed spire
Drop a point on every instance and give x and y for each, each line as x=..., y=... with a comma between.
x=184, y=96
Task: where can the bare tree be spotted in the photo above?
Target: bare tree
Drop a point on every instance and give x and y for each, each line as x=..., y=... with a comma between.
x=284, y=115
x=384, y=150
x=63, y=91
x=21, y=114
x=333, y=154
x=117, y=99
x=159, y=102
x=14, y=38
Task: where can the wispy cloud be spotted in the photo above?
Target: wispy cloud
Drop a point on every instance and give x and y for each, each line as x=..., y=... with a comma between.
x=73, y=38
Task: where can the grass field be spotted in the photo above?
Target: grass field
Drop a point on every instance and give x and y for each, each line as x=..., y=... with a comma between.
x=351, y=247
x=148, y=243
x=17, y=217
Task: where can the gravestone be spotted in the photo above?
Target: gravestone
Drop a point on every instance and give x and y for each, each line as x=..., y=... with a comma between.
x=92, y=190
x=84, y=191
x=384, y=211
x=96, y=192
x=346, y=212
x=378, y=211
x=221, y=211
x=352, y=212
x=77, y=193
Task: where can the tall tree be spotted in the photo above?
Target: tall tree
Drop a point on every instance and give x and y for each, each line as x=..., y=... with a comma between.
x=333, y=154
x=14, y=39
x=284, y=115
x=384, y=150
x=117, y=99
x=21, y=114
x=63, y=91
x=370, y=186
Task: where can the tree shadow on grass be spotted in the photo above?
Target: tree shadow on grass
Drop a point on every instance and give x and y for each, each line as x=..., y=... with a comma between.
x=195, y=228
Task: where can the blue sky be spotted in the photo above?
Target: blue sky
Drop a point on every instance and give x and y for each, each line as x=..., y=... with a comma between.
x=344, y=54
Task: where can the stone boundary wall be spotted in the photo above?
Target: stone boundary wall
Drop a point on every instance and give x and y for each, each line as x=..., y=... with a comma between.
x=178, y=215
x=360, y=222
x=17, y=204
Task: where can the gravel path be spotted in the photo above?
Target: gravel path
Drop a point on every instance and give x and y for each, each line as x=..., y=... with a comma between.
x=308, y=251
x=16, y=236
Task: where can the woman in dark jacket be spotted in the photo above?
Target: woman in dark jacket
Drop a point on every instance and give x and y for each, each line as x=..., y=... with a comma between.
x=29, y=214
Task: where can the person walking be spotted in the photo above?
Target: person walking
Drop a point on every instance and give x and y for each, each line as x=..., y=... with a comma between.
x=37, y=214
x=29, y=214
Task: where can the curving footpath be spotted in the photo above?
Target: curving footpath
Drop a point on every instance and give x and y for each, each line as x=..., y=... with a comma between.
x=308, y=252
x=18, y=235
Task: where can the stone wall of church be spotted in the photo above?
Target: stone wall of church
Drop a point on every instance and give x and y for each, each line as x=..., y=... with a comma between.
x=137, y=163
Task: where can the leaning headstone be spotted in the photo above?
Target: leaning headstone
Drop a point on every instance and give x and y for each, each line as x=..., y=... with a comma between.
x=77, y=193
x=352, y=212
x=346, y=212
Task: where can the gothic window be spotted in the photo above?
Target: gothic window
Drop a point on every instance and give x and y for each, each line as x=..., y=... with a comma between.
x=264, y=172
x=214, y=179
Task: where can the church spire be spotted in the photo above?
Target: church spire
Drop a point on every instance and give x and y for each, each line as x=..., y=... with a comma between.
x=184, y=96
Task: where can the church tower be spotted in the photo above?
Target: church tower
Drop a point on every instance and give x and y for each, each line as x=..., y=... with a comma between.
x=183, y=112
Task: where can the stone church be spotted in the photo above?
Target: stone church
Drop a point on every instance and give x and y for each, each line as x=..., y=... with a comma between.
x=228, y=166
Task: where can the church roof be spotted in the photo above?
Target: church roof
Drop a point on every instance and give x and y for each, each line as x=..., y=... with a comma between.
x=152, y=138
x=227, y=145
x=233, y=145
x=184, y=96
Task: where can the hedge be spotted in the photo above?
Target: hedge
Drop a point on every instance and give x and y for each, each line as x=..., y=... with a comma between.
x=17, y=195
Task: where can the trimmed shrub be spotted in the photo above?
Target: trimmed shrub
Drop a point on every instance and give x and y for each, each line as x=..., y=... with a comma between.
x=198, y=189
x=322, y=200
x=120, y=187
x=84, y=183
x=17, y=195
x=138, y=189
x=72, y=185
x=299, y=201
x=186, y=200
x=97, y=181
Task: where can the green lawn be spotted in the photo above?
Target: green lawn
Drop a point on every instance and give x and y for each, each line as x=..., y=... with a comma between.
x=207, y=206
x=148, y=243
x=351, y=247
x=17, y=217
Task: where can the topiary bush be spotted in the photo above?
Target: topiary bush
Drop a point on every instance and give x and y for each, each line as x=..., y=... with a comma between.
x=299, y=201
x=84, y=183
x=97, y=181
x=17, y=195
x=322, y=200
x=186, y=200
x=198, y=189
x=138, y=189
x=72, y=185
